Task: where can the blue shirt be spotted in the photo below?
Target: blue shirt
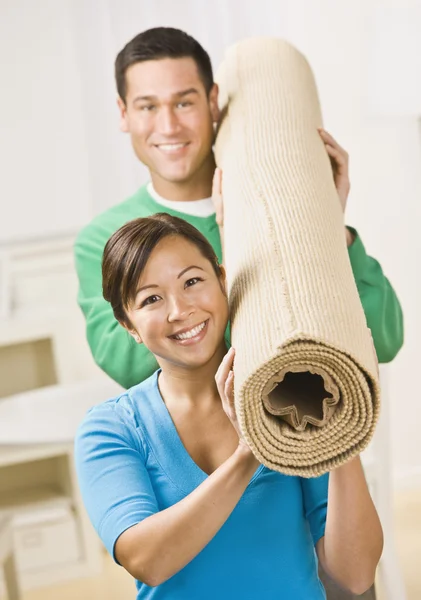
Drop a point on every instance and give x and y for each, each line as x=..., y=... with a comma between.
x=131, y=463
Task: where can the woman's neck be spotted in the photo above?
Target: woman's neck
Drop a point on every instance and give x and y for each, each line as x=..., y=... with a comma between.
x=191, y=386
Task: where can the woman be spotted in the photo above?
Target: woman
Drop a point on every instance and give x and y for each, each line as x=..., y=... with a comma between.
x=170, y=485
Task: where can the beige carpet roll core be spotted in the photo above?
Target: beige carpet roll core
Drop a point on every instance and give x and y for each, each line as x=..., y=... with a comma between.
x=306, y=378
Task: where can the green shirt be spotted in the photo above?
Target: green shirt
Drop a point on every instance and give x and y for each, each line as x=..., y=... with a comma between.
x=129, y=363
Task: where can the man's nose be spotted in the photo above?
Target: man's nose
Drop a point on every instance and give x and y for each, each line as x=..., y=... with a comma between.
x=167, y=121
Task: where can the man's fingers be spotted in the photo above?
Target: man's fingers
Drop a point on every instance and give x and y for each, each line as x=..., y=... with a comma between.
x=329, y=140
x=338, y=156
x=217, y=183
x=217, y=197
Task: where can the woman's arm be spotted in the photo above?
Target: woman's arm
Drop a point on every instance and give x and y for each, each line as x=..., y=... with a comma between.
x=165, y=542
x=161, y=545
x=352, y=545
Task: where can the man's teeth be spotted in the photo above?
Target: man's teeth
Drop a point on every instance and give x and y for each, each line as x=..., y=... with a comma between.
x=171, y=146
x=189, y=334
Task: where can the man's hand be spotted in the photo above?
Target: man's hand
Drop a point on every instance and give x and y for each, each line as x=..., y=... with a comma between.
x=217, y=197
x=218, y=203
x=340, y=166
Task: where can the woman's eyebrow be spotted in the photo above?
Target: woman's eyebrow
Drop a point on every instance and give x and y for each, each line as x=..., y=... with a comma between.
x=145, y=287
x=187, y=269
x=154, y=285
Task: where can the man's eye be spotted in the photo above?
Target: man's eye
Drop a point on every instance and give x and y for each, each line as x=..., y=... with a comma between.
x=184, y=104
x=192, y=281
x=150, y=300
x=147, y=107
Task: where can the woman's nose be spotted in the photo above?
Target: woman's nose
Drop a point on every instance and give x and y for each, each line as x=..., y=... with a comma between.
x=179, y=309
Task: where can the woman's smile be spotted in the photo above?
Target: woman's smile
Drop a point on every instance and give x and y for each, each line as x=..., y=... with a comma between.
x=190, y=337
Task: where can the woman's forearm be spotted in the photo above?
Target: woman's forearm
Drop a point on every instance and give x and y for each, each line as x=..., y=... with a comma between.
x=353, y=540
x=162, y=544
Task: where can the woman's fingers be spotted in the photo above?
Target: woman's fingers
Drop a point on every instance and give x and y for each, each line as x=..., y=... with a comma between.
x=223, y=372
x=229, y=388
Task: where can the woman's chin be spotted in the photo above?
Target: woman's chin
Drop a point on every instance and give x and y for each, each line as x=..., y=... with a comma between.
x=200, y=359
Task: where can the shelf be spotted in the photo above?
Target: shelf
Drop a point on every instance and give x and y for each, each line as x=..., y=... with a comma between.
x=37, y=499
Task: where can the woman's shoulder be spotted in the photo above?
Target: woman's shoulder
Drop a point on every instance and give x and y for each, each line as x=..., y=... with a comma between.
x=128, y=412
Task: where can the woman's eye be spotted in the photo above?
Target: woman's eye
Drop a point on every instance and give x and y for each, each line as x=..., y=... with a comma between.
x=150, y=300
x=192, y=281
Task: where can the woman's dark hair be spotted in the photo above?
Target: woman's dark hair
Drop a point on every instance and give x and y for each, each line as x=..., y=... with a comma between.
x=158, y=43
x=128, y=250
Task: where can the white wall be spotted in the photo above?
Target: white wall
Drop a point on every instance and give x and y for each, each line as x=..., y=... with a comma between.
x=44, y=186
x=65, y=156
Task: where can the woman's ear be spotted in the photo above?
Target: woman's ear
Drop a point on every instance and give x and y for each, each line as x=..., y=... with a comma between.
x=223, y=279
x=132, y=332
x=136, y=337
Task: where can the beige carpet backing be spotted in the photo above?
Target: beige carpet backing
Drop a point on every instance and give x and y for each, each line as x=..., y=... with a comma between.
x=306, y=379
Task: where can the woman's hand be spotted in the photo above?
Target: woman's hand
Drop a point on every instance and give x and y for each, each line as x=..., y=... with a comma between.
x=225, y=383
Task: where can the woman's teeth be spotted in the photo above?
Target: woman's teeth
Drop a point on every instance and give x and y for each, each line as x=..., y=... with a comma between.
x=189, y=334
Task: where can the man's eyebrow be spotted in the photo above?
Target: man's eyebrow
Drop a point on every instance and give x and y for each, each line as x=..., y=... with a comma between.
x=154, y=285
x=153, y=98
x=187, y=92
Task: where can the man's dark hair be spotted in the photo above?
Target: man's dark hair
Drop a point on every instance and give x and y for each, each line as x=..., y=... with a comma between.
x=158, y=43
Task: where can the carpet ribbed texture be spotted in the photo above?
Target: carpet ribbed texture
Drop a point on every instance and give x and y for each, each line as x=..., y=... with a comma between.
x=306, y=377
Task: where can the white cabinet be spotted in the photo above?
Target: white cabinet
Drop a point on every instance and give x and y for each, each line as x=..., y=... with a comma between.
x=44, y=539
x=53, y=538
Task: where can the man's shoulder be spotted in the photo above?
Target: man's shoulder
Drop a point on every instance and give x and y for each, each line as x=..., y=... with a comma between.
x=106, y=223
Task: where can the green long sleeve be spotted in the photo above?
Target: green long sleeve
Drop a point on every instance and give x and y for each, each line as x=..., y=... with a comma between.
x=380, y=303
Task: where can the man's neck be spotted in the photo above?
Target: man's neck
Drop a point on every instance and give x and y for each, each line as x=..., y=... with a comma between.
x=196, y=188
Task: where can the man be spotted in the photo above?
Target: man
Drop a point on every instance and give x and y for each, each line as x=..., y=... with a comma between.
x=168, y=104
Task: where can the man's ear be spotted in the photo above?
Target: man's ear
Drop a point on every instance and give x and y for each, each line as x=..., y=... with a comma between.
x=132, y=332
x=213, y=103
x=124, y=125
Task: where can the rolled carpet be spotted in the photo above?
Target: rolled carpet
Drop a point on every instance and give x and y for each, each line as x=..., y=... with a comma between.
x=306, y=377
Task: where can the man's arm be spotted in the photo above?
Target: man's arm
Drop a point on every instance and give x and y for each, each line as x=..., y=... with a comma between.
x=381, y=306
x=113, y=349
x=380, y=303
